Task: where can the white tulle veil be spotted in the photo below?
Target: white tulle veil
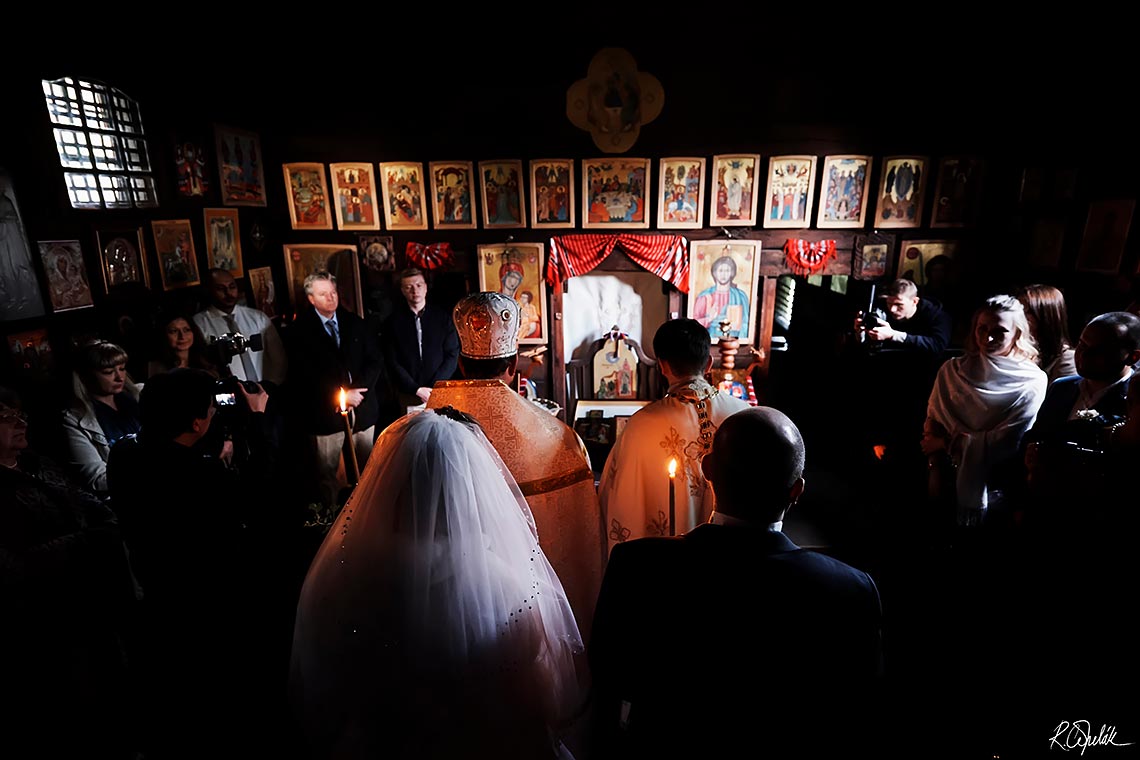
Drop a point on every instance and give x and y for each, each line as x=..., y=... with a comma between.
x=431, y=596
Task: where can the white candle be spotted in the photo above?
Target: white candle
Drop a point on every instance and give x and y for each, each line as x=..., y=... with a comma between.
x=672, y=497
x=351, y=468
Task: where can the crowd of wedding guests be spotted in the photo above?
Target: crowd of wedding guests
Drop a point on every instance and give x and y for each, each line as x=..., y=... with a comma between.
x=166, y=596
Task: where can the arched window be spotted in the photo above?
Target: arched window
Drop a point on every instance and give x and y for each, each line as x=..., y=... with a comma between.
x=101, y=143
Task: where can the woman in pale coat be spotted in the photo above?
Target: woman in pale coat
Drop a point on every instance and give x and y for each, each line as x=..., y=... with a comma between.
x=105, y=409
x=983, y=403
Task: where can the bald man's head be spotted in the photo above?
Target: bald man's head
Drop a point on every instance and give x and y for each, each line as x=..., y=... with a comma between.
x=756, y=464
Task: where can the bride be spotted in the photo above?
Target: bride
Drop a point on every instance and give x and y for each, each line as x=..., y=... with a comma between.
x=430, y=623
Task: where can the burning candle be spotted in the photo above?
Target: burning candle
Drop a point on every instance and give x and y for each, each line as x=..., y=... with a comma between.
x=672, y=497
x=351, y=469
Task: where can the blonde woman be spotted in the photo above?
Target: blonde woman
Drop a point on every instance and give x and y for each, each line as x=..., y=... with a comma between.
x=983, y=403
x=105, y=409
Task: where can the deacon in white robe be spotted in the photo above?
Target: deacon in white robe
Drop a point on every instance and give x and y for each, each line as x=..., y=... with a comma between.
x=634, y=491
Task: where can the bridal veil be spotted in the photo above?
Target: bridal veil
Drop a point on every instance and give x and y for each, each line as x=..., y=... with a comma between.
x=430, y=612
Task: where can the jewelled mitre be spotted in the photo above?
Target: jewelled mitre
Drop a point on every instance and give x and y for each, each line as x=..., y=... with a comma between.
x=488, y=325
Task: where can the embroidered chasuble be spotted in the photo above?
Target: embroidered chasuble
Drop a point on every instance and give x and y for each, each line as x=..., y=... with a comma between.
x=634, y=492
x=551, y=466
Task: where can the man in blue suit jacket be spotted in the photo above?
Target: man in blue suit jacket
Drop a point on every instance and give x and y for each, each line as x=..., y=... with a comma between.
x=1066, y=451
x=421, y=346
x=710, y=638
x=1105, y=355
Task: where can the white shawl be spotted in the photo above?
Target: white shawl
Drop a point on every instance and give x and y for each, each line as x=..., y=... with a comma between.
x=986, y=403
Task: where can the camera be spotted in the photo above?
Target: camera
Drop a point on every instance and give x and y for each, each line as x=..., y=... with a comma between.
x=226, y=347
x=874, y=318
x=225, y=390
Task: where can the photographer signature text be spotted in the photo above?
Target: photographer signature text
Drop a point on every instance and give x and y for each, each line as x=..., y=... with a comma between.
x=1079, y=733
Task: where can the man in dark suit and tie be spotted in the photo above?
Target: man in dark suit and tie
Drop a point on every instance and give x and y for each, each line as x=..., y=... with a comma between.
x=330, y=350
x=731, y=635
x=421, y=346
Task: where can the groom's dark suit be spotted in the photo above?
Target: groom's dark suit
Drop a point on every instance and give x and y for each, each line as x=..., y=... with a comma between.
x=1053, y=417
x=717, y=628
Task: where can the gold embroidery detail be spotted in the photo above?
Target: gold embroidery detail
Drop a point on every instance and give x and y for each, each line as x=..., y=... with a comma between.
x=554, y=483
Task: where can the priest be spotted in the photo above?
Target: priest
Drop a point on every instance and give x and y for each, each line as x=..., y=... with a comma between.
x=544, y=455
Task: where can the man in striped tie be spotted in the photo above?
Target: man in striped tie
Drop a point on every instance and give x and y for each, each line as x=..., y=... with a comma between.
x=331, y=349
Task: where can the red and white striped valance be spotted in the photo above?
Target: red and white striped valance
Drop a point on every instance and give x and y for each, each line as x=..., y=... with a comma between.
x=666, y=256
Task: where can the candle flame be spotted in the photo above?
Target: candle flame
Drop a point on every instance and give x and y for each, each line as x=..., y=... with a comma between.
x=673, y=467
x=343, y=401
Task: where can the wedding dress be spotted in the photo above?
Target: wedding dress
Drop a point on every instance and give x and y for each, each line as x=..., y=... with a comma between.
x=430, y=623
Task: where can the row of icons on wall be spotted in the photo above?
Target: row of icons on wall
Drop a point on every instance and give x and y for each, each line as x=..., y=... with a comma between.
x=615, y=193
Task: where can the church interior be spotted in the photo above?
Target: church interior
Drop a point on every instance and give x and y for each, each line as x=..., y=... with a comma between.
x=365, y=165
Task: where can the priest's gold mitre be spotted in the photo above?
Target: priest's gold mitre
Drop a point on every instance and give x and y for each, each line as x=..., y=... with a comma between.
x=488, y=325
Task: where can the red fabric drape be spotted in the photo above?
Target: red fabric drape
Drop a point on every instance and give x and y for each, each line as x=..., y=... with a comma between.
x=805, y=258
x=428, y=257
x=666, y=256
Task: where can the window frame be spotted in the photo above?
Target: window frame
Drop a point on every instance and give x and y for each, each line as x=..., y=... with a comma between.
x=101, y=144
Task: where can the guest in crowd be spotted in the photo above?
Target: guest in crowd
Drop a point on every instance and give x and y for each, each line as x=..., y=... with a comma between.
x=67, y=592
x=635, y=482
x=1049, y=323
x=1072, y=454
x=225, y=315
x=543, y=454
x=330, y=349
x=420, y=343
x=104, y=409
x=188, y=523
x=981, y=406
x=431, y=624
x=734, y=622
x=178, y=343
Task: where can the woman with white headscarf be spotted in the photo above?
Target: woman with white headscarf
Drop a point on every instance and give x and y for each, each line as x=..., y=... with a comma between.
x=430, y=623
x=983, y=403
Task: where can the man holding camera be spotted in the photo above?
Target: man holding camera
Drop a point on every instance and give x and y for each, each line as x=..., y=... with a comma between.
x=915, y=324
x=225, y=316
x=193, y=527
x=905, y=347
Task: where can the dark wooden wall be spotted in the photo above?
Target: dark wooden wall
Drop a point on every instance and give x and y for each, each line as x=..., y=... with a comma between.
x=449, y=101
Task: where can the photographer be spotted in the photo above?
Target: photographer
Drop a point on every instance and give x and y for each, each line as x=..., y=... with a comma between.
x=262, y=356
x=914, y=324
x=190, y=524
x=902, y=348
